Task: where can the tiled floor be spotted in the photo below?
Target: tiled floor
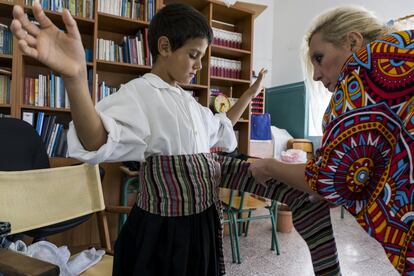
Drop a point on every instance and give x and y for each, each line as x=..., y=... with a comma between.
x=359, y=254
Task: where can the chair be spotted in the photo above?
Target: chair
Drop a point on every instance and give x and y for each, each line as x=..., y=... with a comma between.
x=36, y=198
x=231, y=224
x=22, y=149
x=236, y=205
x=129, y=185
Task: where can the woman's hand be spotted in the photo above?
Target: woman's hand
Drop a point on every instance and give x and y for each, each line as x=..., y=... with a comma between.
x=62, y=52
x=261, y=170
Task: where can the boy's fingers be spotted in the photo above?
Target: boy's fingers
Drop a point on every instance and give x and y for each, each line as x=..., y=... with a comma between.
x=31, y=41
x=263, y=71
x=24, y=22
x=40, y=16
x=21, y=34
x=27, y=50
x=70, y=24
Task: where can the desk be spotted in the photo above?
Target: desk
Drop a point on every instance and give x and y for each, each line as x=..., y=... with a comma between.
x=12, y=263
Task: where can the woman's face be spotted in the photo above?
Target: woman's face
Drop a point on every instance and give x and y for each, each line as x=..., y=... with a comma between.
x=327, y=60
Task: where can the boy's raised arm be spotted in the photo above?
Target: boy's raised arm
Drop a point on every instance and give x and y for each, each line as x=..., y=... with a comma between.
x=63, y=53
x=237, y=110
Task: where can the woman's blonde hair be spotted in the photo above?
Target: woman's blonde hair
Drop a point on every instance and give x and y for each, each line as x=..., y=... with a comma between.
x=335, y=24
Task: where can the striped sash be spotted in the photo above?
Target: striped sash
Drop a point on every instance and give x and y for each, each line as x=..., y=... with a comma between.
x=183, y=185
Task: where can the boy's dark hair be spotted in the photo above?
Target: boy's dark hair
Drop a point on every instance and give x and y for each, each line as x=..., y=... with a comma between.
x=178, y=22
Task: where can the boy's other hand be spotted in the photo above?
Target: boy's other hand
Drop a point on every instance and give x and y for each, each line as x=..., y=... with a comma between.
x=62, y=52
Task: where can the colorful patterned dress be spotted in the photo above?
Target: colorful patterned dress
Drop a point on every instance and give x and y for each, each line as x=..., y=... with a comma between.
x=366, y=158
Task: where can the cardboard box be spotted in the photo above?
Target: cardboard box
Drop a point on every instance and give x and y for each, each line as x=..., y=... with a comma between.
x=261, y=148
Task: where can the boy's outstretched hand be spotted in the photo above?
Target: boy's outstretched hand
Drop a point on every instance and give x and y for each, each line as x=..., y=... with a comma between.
x=62, y=52
x=257, y=86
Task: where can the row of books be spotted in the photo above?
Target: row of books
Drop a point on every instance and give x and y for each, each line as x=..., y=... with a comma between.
x=225, y=68
x=45, y=90
x=197, y=78
x=104, y=90
x=134, y=49
x=5, y=84
x=257, y=106
x=53, y=134
x=6, y=40
x=48, y=91
x=227, y=38
x=134, y=9
x=81, y=8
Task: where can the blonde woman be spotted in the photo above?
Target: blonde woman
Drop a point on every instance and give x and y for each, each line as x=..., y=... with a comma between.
x=365, y=161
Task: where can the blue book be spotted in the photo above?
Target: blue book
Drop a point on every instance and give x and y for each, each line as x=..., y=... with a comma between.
x=39, y=122
x=52, y=90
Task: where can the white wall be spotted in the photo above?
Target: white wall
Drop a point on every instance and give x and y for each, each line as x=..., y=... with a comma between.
x=290, y=22
x=263, y=37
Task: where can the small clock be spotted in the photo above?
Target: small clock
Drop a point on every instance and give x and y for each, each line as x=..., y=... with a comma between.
x=221, y=103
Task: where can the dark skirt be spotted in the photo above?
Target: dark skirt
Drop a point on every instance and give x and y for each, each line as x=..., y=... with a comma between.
x=153, y=245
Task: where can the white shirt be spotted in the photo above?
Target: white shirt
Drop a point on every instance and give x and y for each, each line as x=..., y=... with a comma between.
x=148, y=116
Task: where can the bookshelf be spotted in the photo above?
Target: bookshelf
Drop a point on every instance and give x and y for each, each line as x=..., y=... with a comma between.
x=114, y=73
x=113, y=27
x=103, y=25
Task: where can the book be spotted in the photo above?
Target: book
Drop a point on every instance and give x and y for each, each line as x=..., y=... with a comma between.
x=28, y=116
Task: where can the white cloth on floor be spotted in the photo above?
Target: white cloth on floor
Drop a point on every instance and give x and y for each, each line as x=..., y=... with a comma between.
x=59, y=256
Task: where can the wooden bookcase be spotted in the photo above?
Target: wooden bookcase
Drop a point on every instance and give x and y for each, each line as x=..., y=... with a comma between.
x=113, y=27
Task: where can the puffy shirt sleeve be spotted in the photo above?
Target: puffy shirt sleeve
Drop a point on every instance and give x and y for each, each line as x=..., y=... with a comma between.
x=220, y=130
x=126, y=123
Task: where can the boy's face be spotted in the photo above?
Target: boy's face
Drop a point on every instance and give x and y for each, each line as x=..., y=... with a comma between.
x=186, y=61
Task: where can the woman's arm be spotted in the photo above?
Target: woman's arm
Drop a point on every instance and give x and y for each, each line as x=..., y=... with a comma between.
x=291, y=174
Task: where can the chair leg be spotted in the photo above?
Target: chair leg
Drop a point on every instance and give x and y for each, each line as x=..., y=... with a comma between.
x=273, y=218
x=124, y=199
x=342, y=212
x=231, y=236
x=236, y=238
x=123, y=202
x=246, y=230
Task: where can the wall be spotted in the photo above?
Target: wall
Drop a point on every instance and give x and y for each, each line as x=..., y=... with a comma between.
x=291, y=20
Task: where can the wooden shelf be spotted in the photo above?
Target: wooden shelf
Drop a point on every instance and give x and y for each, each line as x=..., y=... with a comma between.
x=6, y=60
x=222, y=13
x=120, y=67
x=45, y=108
x=5, y=105
x=193, y=86
x=227, y=81
x=243, y=121
x=119, y=24
x=31, y=61
x=199, y=5
x=6, y=9
x=85, y=25
x=4, y=57
x=228, y=52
